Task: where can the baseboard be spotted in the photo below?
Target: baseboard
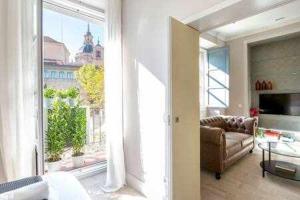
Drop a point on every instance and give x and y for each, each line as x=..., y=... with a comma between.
x=136, y=184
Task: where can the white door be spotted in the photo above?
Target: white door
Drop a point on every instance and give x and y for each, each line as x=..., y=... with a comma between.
x=185, y=144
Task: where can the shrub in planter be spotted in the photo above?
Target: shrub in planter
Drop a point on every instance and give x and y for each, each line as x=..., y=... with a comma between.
x=62, y=94
x=49, y=94
x=72, y=93
x=55, y=135
x=78, y=134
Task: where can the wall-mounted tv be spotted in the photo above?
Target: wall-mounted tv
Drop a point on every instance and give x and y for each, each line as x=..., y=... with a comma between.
x=280, y=104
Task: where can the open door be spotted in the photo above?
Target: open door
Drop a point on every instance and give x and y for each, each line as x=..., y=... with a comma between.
x=185, y=147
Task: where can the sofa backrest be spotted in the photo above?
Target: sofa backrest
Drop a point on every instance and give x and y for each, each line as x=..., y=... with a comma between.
x=214, y=122
x=231, y=123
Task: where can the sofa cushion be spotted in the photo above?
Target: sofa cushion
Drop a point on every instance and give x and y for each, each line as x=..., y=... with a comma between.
x=247, y=141
x=232, y=147
x=243, y=138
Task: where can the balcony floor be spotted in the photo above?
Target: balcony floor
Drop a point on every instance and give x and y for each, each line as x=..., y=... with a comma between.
x=93, y=187
x=89, y=159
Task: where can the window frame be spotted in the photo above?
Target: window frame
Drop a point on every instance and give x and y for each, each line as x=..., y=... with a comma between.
x=205, y=77
x=78, y=10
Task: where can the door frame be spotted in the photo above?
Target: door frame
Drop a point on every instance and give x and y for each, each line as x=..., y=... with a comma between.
x=40, y=127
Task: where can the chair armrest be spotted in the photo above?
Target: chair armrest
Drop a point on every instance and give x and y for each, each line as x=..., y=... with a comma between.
x=212, y=135
x=250, y=125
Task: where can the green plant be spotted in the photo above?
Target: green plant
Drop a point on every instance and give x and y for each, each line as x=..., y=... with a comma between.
x=49, y=93
x=260, y=132
x=77, y=129
x=58, y=118
x=63, y=94
x=72, y=92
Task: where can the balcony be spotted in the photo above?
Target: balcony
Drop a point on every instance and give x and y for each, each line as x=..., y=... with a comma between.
x=74, y=131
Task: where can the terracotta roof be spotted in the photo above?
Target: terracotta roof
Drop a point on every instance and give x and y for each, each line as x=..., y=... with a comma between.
x=49, y=39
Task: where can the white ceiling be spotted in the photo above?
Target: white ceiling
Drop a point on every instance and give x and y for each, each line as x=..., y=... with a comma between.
x=276, y=17
x=206, y=44
x=236, y=10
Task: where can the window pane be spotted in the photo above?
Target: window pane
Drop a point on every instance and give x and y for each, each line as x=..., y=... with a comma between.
x=218, y=79
x=53, y=74
x=218, y=97
x=61, y=75
x=218, y=59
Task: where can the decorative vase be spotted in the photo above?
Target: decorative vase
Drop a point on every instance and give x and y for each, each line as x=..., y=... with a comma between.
x=257, y=85
x=269, y=85
x=78, y=161
x=53, y=166
x=264, y=85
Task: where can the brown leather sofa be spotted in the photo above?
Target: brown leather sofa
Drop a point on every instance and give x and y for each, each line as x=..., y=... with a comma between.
x=224, y=140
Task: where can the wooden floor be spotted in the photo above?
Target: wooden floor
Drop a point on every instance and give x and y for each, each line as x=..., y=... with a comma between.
x=244, y=181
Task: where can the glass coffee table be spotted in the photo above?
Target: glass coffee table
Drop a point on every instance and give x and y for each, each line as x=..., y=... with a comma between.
x=280, y=168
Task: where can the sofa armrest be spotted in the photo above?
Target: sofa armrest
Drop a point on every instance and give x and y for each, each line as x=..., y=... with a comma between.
x=250, y=125
x=212, y=135
x=212, y=148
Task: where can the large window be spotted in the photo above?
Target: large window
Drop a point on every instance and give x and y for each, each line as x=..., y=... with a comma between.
x=74, y=120
x=218, y=77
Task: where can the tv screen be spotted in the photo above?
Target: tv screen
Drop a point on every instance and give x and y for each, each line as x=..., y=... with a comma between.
x=280, y=104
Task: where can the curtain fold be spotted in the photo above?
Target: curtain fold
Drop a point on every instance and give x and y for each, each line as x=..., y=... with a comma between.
x=17, y=100
x=113, y=98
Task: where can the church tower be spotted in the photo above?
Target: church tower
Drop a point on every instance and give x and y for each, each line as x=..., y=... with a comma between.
x=88, y=41
x=88, y=53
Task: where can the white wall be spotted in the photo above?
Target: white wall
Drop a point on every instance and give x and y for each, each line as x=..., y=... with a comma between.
x=146, y=77
x=239, y=102
x=2, y=64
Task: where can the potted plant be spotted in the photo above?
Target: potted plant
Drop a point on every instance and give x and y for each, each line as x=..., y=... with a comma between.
x=49, y=94
x=55, y=134
x=62, y=95
x=72, y=93
x=78, y=135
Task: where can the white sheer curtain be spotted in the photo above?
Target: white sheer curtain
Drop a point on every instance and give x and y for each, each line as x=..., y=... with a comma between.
x=113, y=98
x=17, y=88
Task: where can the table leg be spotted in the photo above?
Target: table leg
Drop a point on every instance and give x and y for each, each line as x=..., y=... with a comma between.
x=263, y=163
x=269, y=153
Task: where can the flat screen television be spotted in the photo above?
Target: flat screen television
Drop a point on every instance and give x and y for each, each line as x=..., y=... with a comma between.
x=280, y=104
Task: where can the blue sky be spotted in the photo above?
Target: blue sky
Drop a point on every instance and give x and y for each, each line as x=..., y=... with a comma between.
x=69, y=30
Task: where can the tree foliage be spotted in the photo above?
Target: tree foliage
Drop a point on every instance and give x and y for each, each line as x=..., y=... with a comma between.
x=91, y=79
